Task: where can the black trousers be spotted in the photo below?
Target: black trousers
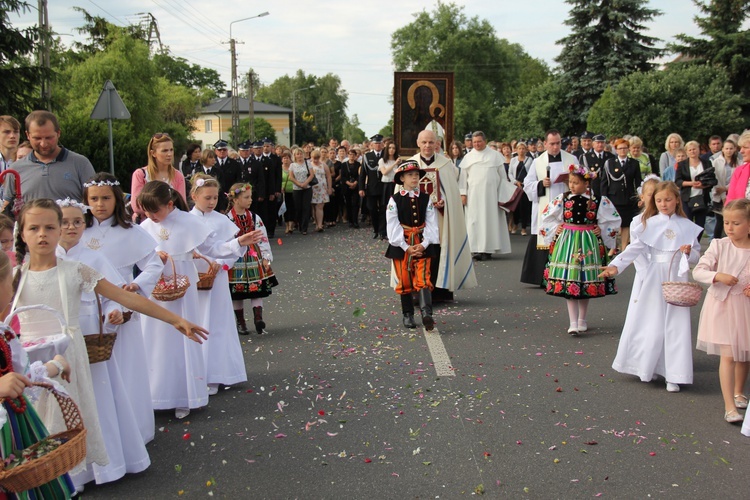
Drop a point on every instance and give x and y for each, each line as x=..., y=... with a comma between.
x=269, y=214
x=291, y=209
x=351, y=196
x=375, y=209
x=698, y=218
x=302, y=204
x=331, y=209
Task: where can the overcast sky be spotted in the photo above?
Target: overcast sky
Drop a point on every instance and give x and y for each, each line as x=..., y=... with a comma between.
x=347, y=38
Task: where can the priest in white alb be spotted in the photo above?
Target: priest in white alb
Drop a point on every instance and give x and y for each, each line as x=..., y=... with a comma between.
x=542, y=184
x=483, y=183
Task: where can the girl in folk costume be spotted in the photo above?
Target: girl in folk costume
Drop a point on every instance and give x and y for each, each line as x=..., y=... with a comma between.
x=60, y=284
x=20, y=425
x=251, y=277
x=177, y=368
x=109, y=232
x=413, y=236
x=541, y=188
x=724, y=327
x=656, y=338
x=118, y=422
x=225, y=363
x=577, y=226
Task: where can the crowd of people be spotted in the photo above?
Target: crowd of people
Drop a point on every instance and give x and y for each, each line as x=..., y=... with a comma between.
x=193, y=243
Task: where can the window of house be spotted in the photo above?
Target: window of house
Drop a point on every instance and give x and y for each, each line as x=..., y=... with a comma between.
x=207, y=125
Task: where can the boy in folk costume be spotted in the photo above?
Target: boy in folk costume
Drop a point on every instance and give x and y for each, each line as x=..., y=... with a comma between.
x=413, y=238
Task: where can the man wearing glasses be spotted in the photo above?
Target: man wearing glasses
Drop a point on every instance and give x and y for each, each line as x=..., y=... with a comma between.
x=51, y=170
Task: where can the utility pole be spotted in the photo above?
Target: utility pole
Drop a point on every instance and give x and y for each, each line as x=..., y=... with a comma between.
x=44, y=55
x=251, y=103
x=235, y=96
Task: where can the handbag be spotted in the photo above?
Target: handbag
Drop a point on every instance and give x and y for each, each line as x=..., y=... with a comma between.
x=697, y=204
x=707, y=178
x=314, y=180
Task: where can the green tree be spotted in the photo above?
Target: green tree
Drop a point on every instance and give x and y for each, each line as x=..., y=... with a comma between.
x=694, y=101
x=262, y=129
x=724, y=43
x=387, y=130
x=321, y=95
x=19, y=77
x=606, y=43
x=489, y=72
x=540, y=109
x=155, y=105
x=352, y=131
x=100, y=33
x=242, y=84
x=180, y=72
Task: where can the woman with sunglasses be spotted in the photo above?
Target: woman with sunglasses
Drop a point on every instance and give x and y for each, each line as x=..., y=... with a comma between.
x=160, y=153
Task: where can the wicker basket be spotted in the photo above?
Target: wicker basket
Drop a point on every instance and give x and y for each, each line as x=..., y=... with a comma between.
x=99, y=347
x=680, y=293
x=170, y=288
x=58, y=461
x=206, y=280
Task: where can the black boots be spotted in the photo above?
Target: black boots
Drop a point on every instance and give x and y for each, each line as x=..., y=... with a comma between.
x=260, y=325
x=425, y=304
x=239, y=314
x=407, y=307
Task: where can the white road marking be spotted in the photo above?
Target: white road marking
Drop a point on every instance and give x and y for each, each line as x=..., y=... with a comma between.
x=439, y=355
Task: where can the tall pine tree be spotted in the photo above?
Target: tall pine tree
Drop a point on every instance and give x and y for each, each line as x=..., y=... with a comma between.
x=606, y=44
x=20, y=77
x=724, y=44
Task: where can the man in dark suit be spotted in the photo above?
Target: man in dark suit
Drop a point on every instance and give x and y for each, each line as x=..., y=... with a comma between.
x=531, y=146
x=586, y=146
x=271, y=164
x=370, y=186
x=252, y=173
x=228, y=172
x=468, y=145
x=594, y=160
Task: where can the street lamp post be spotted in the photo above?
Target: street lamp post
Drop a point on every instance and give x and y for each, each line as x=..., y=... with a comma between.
x=319, y=106
x=294, y=112
x=235, y=96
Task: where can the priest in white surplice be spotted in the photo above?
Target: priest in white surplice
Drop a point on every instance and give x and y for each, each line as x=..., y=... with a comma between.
x=541, y=188
x=483, y=183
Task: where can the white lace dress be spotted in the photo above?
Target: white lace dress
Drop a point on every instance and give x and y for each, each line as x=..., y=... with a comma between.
x=43, y=287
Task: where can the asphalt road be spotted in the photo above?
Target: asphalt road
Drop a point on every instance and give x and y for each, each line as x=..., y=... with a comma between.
x=343, y=402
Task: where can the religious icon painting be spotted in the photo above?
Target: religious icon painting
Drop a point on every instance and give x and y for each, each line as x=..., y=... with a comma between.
x=422, y=101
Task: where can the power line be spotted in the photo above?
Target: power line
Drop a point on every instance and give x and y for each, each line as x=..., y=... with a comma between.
x=204, y=16
x=187, y=23
x=108, y=13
